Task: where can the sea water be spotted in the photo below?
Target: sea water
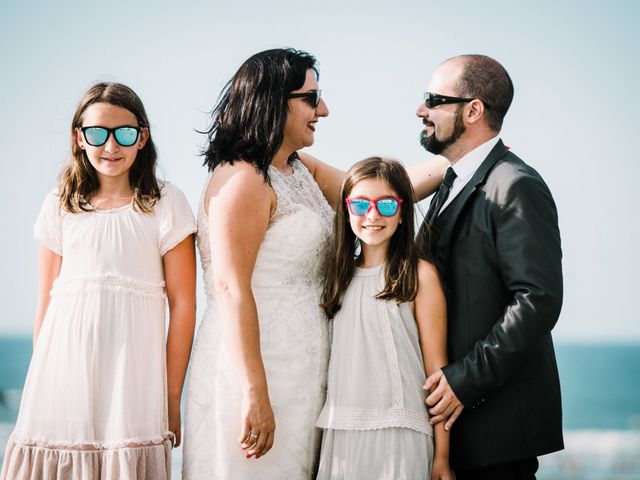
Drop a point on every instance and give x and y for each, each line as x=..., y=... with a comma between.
x=600, y=397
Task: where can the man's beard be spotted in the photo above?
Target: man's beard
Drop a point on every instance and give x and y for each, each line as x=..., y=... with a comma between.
x=436, y=146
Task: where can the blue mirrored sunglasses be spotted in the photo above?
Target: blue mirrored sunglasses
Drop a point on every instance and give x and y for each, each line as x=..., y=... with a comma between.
x=126, y=135
x=387, y=207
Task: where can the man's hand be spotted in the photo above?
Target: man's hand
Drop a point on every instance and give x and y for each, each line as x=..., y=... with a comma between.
x=443, y=403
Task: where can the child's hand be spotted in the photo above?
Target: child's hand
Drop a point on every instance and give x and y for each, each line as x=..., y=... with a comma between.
x=174, y=421
x=441, y=469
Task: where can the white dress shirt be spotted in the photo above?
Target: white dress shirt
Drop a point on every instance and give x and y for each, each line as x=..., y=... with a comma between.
x=467, y=166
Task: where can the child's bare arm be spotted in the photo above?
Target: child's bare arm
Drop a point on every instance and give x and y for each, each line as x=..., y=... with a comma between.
x=180, y=278
x=431, y=316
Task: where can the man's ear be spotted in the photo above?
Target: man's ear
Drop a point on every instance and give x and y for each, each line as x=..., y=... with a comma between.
x=475, y=110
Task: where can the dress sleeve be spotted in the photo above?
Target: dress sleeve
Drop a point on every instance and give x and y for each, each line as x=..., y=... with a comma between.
x=48, y=228
x=176, y=218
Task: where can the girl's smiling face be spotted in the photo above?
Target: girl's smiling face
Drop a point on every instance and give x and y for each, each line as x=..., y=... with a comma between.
x=111, y=159
x=373, y=229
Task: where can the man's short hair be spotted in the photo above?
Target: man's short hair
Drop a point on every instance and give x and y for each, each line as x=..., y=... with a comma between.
x=484, y=78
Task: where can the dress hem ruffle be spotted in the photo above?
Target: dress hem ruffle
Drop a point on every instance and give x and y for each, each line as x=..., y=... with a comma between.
x=135, y=462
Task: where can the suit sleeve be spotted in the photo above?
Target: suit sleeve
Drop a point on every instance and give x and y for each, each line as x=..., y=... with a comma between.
x=528, y=253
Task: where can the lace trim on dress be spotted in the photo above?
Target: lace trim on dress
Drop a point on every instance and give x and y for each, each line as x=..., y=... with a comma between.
x=107, y=282
x=299, y=188
x=397, y=392
x=366, y=419
x=92, y=446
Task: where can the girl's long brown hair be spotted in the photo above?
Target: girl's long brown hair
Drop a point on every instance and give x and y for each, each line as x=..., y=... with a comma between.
x=78, y=181
x=401, y=268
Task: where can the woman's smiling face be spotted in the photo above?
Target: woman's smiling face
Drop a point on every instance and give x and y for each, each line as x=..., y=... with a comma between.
x=302, y=117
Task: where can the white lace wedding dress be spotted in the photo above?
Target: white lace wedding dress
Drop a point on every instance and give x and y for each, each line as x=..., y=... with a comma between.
x=294, y=345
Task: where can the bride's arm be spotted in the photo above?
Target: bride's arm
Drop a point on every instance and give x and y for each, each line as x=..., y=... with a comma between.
x=328, y=178
x=427, y=175
x=239, y=210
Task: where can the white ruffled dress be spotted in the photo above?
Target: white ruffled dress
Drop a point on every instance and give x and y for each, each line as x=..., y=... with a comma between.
x=94, y=403
x=375, y=421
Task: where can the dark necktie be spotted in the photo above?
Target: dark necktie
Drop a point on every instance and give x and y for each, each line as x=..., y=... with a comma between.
x=441, y=195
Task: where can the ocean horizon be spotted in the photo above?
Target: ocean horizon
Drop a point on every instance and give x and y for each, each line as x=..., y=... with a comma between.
x=600, y=396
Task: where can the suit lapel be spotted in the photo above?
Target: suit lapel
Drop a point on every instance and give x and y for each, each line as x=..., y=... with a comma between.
x=479, y=177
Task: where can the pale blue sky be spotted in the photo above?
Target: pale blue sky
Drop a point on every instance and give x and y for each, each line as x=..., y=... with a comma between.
x=574, y=64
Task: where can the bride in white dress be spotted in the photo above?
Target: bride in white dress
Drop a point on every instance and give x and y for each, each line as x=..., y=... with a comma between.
x=258, y=371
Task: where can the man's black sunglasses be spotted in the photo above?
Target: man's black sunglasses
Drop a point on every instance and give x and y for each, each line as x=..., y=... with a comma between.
x=432, y=100
x=312, y=97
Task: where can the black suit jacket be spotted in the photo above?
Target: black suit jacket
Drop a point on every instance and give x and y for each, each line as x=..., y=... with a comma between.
x=497, y=248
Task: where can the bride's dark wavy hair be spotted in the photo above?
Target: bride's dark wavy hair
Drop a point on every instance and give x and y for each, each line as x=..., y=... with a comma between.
x=248, y=121
x=401, y=266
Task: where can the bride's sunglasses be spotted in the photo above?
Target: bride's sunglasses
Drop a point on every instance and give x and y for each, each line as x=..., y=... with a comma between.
x=312, y=97
x=126, y=135
x=387, y=207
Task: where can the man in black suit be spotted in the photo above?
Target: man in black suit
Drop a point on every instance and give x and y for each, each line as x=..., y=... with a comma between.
x=492, y=232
